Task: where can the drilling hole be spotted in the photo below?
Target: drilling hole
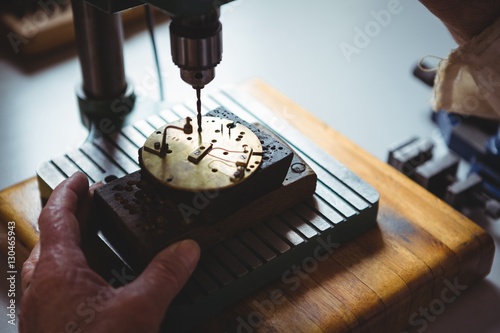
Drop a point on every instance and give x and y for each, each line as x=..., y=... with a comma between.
x=170, y=179
x=202, y=147
x=214, y=170
x=110, y=178
x=158, y=132
x=225, y=153
x=242, y=133
x=214, y=141
x=189, y=138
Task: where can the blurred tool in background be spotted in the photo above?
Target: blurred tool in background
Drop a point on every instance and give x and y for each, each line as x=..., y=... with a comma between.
x=472, y=143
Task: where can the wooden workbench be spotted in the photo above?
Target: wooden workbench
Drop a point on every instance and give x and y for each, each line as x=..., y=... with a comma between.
x=420, y=249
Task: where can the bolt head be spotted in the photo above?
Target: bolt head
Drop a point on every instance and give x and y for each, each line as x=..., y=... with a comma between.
x=298, y=167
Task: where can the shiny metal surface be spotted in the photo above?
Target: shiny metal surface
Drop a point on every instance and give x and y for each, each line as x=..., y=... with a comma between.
x=99, y=42
x=225, y=154
x=196, y=47
x=197, y=53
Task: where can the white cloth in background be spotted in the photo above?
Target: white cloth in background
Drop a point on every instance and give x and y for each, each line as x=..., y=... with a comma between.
x=468, y=81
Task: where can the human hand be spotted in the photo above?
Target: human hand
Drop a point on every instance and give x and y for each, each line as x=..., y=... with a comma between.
x=464, y=18
x=57, y=280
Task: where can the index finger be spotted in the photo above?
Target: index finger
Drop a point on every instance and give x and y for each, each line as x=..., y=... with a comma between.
x=58, y=222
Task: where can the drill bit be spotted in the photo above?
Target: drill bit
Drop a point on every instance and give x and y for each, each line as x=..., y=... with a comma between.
x=198, y=107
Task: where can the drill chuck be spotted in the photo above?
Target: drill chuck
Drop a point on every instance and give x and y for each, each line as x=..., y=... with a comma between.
x=196, y=46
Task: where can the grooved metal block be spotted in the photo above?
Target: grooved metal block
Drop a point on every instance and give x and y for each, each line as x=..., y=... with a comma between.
x=342, y=207
x=141, y=217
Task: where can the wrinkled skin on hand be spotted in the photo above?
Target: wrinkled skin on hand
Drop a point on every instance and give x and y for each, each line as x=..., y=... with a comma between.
x=57, y=280
x=464, y=18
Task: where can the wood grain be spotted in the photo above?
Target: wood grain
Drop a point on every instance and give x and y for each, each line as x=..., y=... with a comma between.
x=21, y=204
x=42, y=33
x=385, y=275
x=371, y=284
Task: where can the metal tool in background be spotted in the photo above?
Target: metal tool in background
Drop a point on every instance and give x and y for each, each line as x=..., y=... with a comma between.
x=473, y=144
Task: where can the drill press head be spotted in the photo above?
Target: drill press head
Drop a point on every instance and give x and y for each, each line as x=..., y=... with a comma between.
x=196, y=46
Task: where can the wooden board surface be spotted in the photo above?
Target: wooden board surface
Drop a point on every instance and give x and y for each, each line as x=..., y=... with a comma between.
x=376, y=283
x=41, y=32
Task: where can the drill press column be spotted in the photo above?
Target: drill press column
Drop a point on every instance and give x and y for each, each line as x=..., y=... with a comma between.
x=99, y=39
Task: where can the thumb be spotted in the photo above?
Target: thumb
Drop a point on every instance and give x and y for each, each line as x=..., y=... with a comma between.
x=167, y=273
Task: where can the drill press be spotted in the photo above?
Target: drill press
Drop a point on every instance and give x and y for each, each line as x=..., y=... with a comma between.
x=231, y=157
x=254, y=206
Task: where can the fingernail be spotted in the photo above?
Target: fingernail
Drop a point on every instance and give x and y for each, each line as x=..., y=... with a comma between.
x=189, y=252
